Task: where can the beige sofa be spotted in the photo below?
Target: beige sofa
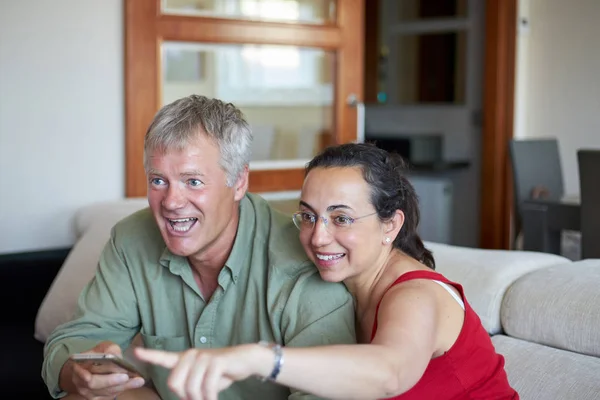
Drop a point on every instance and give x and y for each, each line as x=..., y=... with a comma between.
x=541, y=309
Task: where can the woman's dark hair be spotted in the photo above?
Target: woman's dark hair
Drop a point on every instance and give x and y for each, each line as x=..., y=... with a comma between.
x=390, y=189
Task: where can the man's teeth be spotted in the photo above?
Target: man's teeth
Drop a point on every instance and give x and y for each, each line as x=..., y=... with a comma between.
x=182, y=224
x=329, y=257
x=183, y=220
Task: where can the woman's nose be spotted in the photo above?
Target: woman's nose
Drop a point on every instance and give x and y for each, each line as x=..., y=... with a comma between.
x=320, y=234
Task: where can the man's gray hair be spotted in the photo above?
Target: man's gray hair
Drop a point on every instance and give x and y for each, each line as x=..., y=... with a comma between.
x=179, y=123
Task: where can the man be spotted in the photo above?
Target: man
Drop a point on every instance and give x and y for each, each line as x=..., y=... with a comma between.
x=207, y=265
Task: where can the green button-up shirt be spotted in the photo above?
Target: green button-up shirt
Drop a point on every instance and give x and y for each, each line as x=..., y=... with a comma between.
x=268, y=290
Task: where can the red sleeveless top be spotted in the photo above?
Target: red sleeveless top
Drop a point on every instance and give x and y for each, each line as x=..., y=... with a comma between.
x=471, y=369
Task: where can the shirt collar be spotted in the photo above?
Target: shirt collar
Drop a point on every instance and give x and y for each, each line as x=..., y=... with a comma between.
x=239, y=258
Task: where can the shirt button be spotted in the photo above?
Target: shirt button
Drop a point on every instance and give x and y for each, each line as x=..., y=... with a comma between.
x=203, y=339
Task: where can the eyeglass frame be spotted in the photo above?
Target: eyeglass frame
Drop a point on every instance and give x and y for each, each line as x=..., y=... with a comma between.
x=326, y=220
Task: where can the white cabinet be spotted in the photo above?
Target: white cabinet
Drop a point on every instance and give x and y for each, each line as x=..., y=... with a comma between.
x=435, y=201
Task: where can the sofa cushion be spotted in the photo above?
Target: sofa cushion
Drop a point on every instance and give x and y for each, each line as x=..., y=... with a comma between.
x=93, y=226
x=544, y=373
x=486, y=274
x=557, y=307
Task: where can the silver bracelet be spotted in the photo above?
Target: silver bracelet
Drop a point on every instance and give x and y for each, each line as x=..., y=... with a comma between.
x=278, y=351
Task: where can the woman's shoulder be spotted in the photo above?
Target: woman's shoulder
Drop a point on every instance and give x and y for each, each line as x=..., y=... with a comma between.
x=406, y=303
x=403, y=268
x=410, y=283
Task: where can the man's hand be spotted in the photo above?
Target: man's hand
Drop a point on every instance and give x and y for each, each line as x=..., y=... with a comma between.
x=80, y=379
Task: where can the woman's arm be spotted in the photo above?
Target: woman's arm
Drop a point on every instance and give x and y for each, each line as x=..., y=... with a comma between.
x=390, y=365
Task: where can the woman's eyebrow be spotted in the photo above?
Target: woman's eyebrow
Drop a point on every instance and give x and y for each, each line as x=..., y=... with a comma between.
x=329, y=209
x=338, y=206
x=305, y=204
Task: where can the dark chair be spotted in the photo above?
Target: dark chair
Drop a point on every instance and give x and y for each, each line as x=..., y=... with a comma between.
x=589, y=188
x=537, y=172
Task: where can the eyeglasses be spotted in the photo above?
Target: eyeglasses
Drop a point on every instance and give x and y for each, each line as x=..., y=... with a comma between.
x=305, y=220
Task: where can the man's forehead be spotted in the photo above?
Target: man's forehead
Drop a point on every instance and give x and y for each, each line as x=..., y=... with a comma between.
x=182, y=163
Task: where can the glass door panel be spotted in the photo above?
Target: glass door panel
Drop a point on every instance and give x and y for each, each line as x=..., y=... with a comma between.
x=318, y=12
x=285, y=92
x=290, y=72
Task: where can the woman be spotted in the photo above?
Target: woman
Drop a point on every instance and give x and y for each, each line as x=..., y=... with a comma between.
x=418, y=337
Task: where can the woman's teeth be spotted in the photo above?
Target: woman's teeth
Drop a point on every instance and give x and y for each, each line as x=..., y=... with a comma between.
x=329, y=257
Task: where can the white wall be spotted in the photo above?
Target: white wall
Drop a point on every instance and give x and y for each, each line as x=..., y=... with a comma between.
x=61, y=116
x=558, y=86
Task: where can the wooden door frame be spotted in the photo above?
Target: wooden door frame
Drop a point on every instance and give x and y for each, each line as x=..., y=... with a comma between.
x=496, y=200
x=146, y=28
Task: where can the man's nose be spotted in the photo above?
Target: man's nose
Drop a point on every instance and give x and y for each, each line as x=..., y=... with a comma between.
x=174, y=198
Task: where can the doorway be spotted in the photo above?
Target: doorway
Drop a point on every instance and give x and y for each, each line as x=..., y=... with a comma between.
x=439, y=75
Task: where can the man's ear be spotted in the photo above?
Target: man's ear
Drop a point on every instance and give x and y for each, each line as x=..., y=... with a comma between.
x=241, y=185
x=393, y=226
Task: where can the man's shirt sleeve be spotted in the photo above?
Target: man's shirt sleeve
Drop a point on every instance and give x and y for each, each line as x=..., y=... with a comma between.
x=106, y=310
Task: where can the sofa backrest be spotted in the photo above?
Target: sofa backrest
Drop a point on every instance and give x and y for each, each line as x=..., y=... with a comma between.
x=486, y=275
x=93, y=224
x=557, y=307
x=106, y=214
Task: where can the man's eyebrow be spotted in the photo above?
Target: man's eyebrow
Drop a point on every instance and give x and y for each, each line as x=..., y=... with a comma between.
x=152, y=171
x=192, y=173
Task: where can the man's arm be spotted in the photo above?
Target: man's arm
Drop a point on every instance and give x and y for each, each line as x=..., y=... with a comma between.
x=107, y=310
x=317, y=313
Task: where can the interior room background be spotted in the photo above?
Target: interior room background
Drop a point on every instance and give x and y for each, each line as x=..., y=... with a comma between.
x=62, y=105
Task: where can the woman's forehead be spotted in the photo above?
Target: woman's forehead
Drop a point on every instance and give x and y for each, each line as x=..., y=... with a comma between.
x=339, y=185
x=329, y=174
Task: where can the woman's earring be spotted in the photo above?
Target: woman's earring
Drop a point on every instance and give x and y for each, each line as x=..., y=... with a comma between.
x=387, y=239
